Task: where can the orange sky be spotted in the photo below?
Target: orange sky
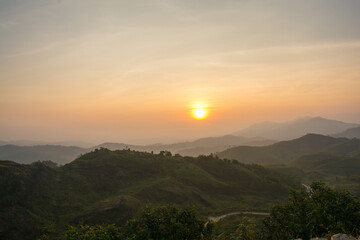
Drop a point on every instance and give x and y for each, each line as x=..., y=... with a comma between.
x=132, y=71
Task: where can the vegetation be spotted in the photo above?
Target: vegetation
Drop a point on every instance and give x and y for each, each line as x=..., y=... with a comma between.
x=315, y=213
x=336, y=170
x=162, y=223
x=109, y=187
x=318, y=212
x=105, y=189
x=65, y=154
x=239, y=227
x=287, y=151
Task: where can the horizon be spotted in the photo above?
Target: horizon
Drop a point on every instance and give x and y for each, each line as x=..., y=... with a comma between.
x=144, y=142
x=169, y=71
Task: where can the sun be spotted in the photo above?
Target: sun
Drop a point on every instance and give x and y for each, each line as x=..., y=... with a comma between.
x=199, y=112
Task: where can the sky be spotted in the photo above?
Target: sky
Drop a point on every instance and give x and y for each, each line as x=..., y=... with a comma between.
x=132, y=71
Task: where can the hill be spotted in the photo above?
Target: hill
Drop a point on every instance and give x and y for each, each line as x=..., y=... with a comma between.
x=206, y=146
x=339, y=171
x=286, y=151
x=350, y=133
x=296, y=128
x=37, y=143
x=328, y=164
x=202, y=146
x=106, y=186
x=29, y=154
x=65, y=154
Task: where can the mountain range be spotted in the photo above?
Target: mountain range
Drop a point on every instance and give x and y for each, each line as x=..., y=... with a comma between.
x=296, y=128
x=102, y=186
x=349, y=133
x=262, y=134
x=65, y=154
x=286, y=151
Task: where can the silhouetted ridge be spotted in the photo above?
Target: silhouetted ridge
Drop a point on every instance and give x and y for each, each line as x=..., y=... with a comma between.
x=286, y=151
x=350, y=133
x=296, y=128
x=65, y=154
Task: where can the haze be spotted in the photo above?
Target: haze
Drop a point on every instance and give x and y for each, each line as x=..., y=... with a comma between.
x=132, y=70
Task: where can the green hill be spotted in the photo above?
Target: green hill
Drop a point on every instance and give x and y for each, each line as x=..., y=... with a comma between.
x=328, y=163
x=286, y=151
x=106, y=186
x=339, y=171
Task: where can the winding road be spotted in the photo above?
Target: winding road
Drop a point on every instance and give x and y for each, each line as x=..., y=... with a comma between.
x=215, y=219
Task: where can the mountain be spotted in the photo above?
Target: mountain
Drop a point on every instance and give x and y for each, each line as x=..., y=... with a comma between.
x=37, y=143
x=65, y=154
x=206, y=146
x=106, y=186
x=196, y=151
x=29, y=154
x=202, y=146
x=349, y=133
x=297, y=128
x=286, y=151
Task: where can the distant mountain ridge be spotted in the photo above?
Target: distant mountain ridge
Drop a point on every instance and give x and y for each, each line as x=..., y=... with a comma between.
x=349, y=133
x=261, y=134
x=202, y=146
x=296, y=128
x=28, y=154
x=38, y=143
x=286, y=151
x=65, y=154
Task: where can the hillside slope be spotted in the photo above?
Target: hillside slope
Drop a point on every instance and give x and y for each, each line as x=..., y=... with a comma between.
x=350, y=133
x=202, y=146
x=106, y=186
x=65, y=154
x=339, y=171
x=328, y=164
x=286, y=151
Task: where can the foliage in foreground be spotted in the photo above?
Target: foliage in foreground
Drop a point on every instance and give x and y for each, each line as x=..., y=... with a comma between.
x=109, y=187
x=315, y=213
x=162, y=223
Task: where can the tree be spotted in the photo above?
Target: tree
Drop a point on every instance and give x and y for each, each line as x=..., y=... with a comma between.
x=97, y=232
x=170, y=223
x=315, y=213
x=162, y=223
x=246, y=230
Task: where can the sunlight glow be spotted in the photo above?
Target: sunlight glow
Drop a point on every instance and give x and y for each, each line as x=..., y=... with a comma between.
x=199, y=112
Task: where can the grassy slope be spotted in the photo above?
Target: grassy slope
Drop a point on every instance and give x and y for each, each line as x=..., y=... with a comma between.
x=339, y=171
x=111, y=186
x=286, y=151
